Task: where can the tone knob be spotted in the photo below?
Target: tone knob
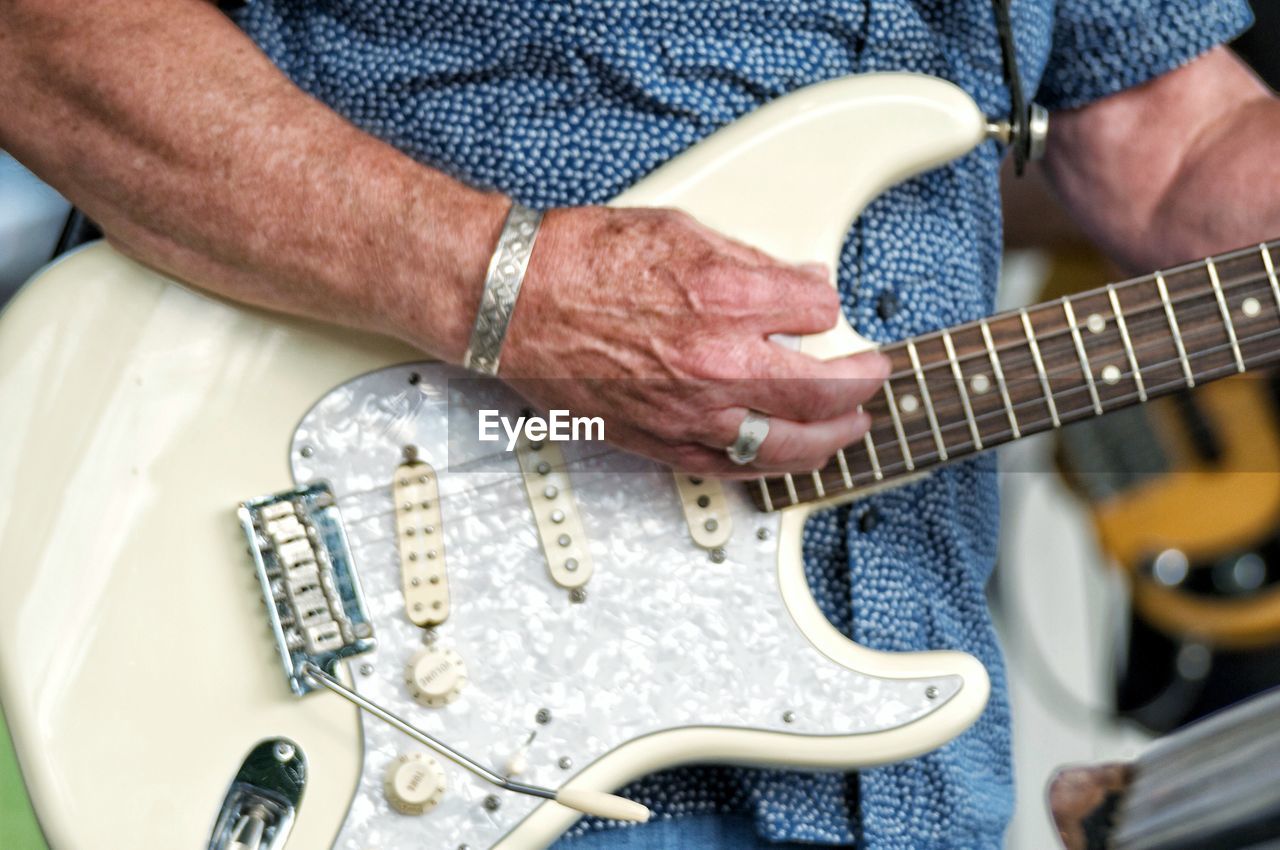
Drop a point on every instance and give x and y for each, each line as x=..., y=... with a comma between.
x=414, y=784
x=436, y=676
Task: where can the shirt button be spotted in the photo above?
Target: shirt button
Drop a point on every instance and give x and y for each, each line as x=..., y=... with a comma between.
x=868, y=521
x=887, y=305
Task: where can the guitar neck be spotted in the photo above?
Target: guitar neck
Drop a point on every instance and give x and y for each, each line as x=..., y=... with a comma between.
x=976, y=386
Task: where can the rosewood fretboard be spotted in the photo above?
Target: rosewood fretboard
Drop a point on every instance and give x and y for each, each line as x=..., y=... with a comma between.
x=960, y=391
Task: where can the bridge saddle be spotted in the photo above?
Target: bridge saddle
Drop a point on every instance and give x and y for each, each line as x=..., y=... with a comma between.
x=304, y=565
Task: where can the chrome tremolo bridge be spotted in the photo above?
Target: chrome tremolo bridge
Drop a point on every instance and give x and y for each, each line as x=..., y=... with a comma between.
x=313, y=597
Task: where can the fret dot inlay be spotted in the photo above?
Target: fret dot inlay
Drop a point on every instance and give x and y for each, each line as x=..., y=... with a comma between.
x=980, y=384
x=1111, y=374
x=1095, y=323
x=908, y=403
x=1251, y=307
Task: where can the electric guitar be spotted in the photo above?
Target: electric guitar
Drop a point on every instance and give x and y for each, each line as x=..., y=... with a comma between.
x=259, y=582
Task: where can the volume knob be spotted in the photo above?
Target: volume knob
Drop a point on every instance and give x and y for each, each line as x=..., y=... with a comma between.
x=436, y=676
x=414, y=784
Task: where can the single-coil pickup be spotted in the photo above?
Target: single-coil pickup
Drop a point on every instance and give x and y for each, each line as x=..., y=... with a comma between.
x=705, y=510
x=420, y=536
x=564, y=543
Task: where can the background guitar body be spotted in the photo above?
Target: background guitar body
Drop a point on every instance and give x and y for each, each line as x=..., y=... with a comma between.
x=136, y=669
x=1184, y=499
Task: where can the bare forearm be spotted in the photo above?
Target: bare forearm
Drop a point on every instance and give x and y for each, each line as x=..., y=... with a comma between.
x=1227, y=192
x=1173, y=170
x=167, y=125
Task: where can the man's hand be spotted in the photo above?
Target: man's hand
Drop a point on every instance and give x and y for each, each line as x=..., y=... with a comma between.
x=663, y=326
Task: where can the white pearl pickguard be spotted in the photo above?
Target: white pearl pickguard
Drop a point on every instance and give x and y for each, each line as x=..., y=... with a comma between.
x=666, y=638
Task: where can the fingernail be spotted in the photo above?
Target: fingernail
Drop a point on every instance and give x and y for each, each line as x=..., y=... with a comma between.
x=817, y=268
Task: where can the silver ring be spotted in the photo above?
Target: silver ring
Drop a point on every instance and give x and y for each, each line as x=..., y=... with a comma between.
x=751, y=436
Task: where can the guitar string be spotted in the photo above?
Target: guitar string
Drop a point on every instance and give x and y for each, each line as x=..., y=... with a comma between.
x=1136, y=318
x=1209, y=303
x=892, y=467
x=952, y=409
x=1154, y=310
x=965, y=447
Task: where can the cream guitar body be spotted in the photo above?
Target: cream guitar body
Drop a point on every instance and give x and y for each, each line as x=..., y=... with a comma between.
x=138, y=669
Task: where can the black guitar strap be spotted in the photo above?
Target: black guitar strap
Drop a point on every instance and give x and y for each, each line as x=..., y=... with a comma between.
x=1028, y=122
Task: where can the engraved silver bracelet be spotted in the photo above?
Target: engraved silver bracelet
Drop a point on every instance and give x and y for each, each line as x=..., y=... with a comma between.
x=501, y=287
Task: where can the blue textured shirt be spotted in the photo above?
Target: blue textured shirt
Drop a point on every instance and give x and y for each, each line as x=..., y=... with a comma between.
x=561, y=102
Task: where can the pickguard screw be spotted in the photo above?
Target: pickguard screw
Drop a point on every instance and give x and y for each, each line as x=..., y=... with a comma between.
x=565, y=763
x=306, y=451
x=492, y=803
x=366, y=669
x=410, y=453
x=543, y=716
x=363, y=630
x=284, y=752
x=711, y=525
x=788, y=717
x=577, y=595
x=717, y=555
x=931, y=692
x=762, y=534
x=415, y=378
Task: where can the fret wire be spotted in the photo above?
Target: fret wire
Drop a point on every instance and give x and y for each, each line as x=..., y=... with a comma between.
x=1173, y=325
x=873, y=455
x=1128, y=344
x=791, y=488
x=1053, y=335
x=1226, y=314
x=1271, y=272
x=844, y=469
x=991, y=352
x=764, y=491
x=897, y=426
x=817, y=485
x=1055, y=373
x=928, y=402
x=1084, y=358
x=1035, y=355
x=999, y=373
x=964, y=392
x=1157, y=389
x=1066, y=393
